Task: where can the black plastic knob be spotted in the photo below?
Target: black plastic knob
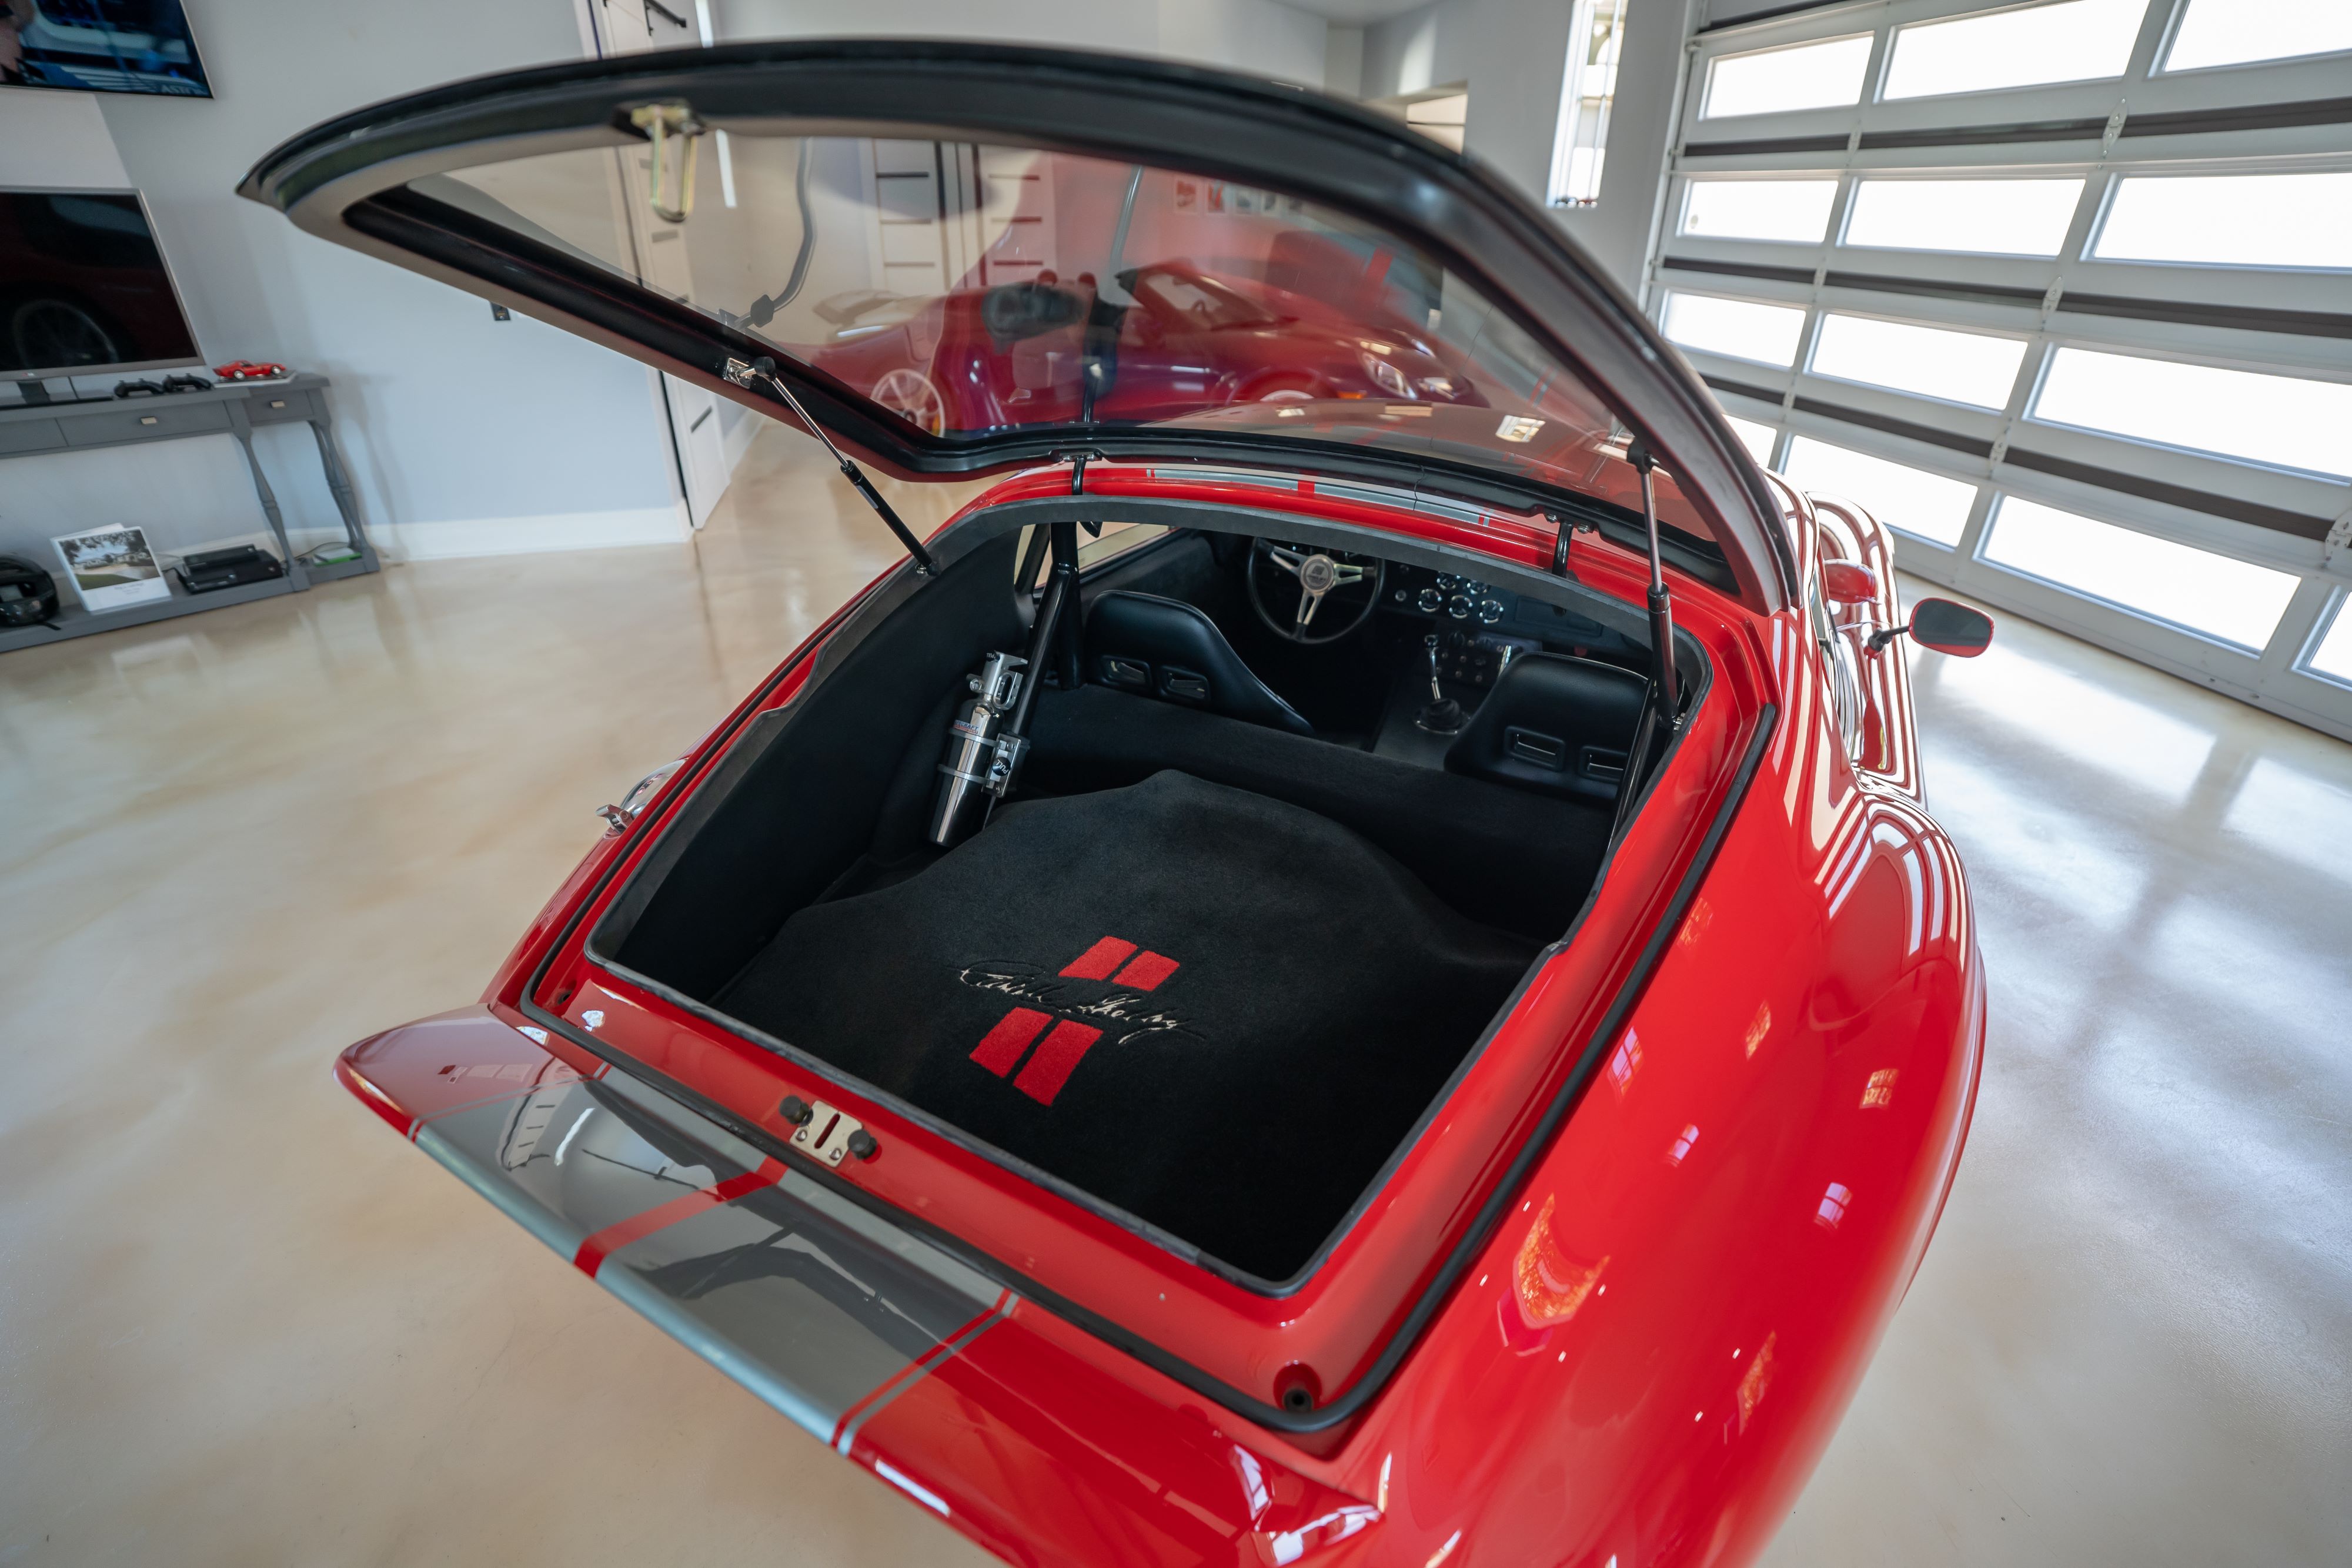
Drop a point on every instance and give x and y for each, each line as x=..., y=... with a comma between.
x=862, y=1144
x=794, y=1109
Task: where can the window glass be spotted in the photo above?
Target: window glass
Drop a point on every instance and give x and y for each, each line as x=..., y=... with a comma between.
x=2283, y=420
x=1794, y=210
x=971, y=289
x=1994, y=218
x=2231, y=32
x=2233, y=600
x=1927, y=505
x=2231, y=220
x=1755, y=435
x=2333, y=657
x=1803, y=76
x=1580, y=141
x=1960, y=367
x=2076, y=40
x=1738, y=328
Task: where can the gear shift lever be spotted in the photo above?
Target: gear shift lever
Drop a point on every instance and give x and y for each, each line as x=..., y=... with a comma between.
x=1440, y=714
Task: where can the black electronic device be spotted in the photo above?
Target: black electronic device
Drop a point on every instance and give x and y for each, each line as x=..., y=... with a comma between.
x=187, y=384
x=140, y=388
x=28, y=595
x=208, y=572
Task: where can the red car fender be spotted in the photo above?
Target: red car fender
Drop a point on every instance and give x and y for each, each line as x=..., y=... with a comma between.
x=1654, y=1350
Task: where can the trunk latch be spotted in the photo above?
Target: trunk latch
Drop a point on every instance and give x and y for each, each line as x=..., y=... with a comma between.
x=827, y=1134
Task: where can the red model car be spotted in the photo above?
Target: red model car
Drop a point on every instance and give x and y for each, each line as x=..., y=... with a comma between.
x=1402, y=1007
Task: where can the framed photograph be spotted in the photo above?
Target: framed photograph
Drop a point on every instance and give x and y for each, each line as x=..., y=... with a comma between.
x=112, y=568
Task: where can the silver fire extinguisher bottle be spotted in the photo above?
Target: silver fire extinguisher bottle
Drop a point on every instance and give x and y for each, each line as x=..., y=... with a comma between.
x=975, y=767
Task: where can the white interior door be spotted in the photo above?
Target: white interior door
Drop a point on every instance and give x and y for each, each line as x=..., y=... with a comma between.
x=697, y=439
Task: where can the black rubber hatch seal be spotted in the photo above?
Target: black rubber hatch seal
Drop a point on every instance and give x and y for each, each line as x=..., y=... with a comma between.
x=1272, y=1417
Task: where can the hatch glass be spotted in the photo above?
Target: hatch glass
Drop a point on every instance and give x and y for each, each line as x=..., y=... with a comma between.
x=972, y=290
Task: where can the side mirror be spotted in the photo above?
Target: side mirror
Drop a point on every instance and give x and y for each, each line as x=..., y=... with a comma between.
x=1945, y=626
x=1848, y=582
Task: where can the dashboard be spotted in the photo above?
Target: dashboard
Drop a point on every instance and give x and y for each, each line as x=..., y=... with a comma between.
x=1479, y=627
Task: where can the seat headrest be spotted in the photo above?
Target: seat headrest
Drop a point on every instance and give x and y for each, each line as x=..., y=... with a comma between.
x=1168, y=649
x=1551, y=722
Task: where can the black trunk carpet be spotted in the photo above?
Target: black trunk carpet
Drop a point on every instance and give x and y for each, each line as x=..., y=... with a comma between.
x=1216, y=1011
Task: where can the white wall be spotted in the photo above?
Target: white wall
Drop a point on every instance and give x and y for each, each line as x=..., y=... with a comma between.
x=1513, y=54
x=1262, y=36
x=56, y=139
x=463, y=434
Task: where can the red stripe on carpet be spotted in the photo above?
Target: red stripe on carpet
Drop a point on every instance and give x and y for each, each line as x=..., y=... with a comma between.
x=1098, y=961
x=613, y=1238
x=1055, y=1060
x=999, y=1048
x=1147, y=970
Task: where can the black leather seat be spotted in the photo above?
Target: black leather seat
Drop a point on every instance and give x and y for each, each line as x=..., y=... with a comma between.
x=1551, y=722
x=1168, y=649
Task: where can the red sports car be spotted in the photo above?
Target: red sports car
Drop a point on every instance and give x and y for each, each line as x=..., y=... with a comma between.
x=1359, y=979
x=1187, y=340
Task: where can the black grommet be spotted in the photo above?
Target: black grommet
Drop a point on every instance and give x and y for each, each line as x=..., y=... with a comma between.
x=794, y=1109
x=1297, y=1400
x=862, y=1144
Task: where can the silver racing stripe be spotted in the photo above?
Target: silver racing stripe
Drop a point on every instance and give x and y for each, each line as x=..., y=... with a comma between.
x=825, y=1312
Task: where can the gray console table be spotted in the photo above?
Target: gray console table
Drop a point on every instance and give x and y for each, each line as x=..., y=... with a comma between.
x=233, y=409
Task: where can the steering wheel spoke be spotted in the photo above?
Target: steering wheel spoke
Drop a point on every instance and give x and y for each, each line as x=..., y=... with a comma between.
x=1319, y=576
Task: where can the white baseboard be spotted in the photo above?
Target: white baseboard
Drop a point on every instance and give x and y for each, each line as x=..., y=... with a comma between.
x=460, y=537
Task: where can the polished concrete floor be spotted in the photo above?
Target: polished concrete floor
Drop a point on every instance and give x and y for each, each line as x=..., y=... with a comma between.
x=241, y=1324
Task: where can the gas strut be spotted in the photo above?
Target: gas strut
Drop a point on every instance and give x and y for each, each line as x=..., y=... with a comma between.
x=764, y=368
x=1662, y=608
x=1661, y=709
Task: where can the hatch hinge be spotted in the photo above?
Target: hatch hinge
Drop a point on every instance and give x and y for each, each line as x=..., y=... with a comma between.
x=658, y=124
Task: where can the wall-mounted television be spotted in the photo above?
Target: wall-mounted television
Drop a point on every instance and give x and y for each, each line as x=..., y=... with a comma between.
x=83, y=287
x=100, y=46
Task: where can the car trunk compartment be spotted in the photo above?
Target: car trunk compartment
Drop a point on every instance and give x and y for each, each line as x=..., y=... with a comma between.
x=1204, y=977
x=1214, y=1010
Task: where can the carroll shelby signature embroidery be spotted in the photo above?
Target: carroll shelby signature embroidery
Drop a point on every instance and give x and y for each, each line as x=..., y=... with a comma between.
x=1066, y=1044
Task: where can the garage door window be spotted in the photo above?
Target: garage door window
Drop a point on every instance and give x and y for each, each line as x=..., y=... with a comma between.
x=2076, y=40
x=2238, y=32
x=2333, y=656
x=2231, y=220
x=1958, y=367
x=1990, y=217
x=1756, y=437
x=2233, y=600
x=1805, y=76
x=1740, y=328
x=1790, y=211
x=1927, y=504
x=2286, y=420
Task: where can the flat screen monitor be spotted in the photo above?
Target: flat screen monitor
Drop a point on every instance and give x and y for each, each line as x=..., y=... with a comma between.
x=100, y=46
x=83, y=287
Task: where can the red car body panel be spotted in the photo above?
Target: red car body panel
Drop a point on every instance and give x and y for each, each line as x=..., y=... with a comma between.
x=1648, y=1355
x=1607, y=1302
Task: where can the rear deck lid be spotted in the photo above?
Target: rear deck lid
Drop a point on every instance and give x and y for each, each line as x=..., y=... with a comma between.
x=966, y=258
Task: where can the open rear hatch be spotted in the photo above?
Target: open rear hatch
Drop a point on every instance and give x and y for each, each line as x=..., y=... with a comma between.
x=1223, y=1042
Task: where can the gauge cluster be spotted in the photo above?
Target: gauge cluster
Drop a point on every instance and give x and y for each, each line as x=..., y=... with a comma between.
x=1446, y=597
x=1480, y=628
